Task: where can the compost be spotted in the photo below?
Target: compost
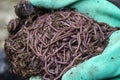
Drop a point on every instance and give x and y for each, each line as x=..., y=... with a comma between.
x=49, y=44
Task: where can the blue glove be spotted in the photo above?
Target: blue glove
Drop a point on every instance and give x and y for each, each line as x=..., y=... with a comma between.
x=106, y=65
x=99, y=10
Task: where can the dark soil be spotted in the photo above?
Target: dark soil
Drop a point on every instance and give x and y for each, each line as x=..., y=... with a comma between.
x=51, y=43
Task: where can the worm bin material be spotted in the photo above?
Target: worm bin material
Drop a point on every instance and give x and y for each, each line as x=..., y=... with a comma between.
x=48, y=45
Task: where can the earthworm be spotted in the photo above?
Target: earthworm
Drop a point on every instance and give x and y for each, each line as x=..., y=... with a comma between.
x=51, y=44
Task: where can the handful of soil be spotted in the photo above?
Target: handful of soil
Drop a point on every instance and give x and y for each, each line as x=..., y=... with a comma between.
x=50, y=44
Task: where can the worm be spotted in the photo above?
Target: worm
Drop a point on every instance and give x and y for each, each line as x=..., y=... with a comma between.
x=50, y=44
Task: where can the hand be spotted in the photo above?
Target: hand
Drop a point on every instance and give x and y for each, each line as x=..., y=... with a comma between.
x=100, y=10
x=106, y=65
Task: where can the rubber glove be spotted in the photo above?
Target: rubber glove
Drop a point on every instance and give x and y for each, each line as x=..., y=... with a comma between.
x=106, y=65
x=103, y=66
x=35, y=78
x=99, y=10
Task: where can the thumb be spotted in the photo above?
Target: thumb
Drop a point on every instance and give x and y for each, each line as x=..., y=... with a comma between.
x=102, y=66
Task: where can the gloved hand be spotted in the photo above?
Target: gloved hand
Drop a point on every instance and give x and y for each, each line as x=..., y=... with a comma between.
x=99, y=10
x=106, y=65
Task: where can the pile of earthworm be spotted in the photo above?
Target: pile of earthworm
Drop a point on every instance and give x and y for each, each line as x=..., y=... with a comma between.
x=50, y=44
